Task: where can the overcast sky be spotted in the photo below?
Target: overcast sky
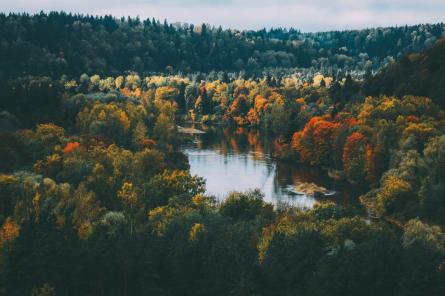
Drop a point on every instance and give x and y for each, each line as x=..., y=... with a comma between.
x=315, y=15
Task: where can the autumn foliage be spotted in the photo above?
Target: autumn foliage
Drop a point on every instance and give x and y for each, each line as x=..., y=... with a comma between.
x=351, y=147
x=9, y=231
x=70, y=147
x=315, y=142
x=354, y=153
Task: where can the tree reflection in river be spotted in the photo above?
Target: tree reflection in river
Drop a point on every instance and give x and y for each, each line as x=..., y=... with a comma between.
x=241, y=159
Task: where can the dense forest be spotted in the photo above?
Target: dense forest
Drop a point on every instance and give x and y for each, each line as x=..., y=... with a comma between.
x=57, y=44
x=96, y=197
x=416, y=74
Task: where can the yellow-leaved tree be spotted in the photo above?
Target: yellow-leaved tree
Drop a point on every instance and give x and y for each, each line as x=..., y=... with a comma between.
x=129, y=198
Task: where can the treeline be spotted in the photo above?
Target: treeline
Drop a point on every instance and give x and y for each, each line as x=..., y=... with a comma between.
x=59, y=43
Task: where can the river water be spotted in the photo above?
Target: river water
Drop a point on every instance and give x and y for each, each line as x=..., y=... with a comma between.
x=241, y=159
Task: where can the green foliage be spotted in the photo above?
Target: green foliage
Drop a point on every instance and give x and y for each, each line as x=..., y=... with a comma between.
x=291, y=260
x=330, y=210
x=368, y=255
x=418, y=74
x=246, y=206
x=396, y=194
x=172, y=187
x=423, y=255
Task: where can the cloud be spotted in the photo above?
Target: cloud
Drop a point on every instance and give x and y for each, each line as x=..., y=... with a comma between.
x=312, y=15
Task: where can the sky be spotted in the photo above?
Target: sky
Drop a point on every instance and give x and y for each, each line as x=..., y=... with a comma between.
x=308, y=16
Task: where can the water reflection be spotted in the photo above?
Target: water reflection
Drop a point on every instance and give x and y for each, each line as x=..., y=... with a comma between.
x=241, y=159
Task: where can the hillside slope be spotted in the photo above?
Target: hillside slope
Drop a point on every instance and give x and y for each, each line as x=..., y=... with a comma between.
x=421, y=74
x=59, y=43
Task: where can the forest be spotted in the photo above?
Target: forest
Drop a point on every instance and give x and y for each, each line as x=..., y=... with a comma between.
x=58, y=44
x=97, y=198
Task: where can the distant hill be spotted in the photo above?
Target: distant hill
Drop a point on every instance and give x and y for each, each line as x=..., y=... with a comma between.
x=421, y=74
x=59, y=43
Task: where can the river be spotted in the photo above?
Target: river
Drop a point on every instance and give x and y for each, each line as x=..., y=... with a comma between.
x=239, y=159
